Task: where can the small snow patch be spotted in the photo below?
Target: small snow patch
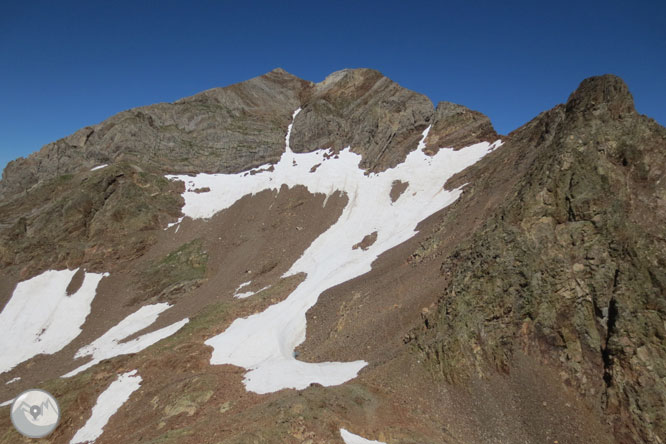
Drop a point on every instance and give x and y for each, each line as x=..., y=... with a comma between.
x=244, y=284
x=247, y=294
x=496, y=144
x=99, y=167
x=180, y=219
x=109, y=345
x=13, y=380
x=106, y=406
x=6, y=403
x=350, y=438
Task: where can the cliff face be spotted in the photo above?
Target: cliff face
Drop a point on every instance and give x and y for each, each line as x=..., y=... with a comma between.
x=569, y=268
x=548, y=271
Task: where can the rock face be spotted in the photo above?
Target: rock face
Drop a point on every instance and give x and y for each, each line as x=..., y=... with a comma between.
x=457, y=126
x=554, y=256
x=364, y=110
x=570, y=268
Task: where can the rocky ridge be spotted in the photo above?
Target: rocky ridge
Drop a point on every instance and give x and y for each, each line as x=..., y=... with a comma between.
x=562, y=265
x=569, y=268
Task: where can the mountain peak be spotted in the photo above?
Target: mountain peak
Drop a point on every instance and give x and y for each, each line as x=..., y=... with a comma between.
x=602, y=94
x=281, y=72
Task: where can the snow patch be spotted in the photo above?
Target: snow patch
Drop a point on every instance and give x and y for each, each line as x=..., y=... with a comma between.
x=496, y=144
x=106, y=406
x=109, y=345
x=99, y=167
x=40, y=318
x=180, y=219
x=247, y=294
x=264, y=342
x=13, y=380
x=350, y=438
x=6, y=403
x=244, y=284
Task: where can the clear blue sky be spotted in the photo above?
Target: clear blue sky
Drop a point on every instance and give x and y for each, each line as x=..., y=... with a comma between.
x=65, y=64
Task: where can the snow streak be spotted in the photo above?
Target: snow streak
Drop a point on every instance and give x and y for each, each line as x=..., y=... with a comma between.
x=109, y=345
x=106, y=406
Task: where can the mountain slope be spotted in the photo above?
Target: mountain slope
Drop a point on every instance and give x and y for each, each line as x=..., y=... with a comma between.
x=527, y=307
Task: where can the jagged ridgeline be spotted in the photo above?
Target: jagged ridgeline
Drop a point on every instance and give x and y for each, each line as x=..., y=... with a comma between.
x=529, y=308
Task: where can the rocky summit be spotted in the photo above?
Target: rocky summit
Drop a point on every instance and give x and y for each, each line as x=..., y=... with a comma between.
x=282, y=261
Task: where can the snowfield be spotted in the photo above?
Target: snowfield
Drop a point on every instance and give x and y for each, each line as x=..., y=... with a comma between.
x=264, y=343
x=106, y=406
x=40, y=318
x=108, y=345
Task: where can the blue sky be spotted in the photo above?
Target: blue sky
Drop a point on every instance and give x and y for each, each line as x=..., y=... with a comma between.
x=66, y=64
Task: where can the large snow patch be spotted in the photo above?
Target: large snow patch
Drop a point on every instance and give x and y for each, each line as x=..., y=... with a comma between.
x=40, y=318
x=264, y=343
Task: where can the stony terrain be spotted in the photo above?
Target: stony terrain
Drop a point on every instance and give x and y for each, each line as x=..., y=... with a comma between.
x=533, y=309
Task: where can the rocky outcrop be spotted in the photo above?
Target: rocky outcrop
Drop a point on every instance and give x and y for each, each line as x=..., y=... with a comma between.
x=457, y=126
x=569, y=269
x=362, y=109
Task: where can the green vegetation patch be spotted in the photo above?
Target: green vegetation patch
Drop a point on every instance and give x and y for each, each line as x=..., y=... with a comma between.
x=177, y=273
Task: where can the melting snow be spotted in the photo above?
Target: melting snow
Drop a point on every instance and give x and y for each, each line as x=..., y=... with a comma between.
x=99, y=167
x=350, y=438
x=180, y=219
x=41, y=318
x=263, y=343
x=109, y=345
x=13, y=380
x=247, y=294
x=244, y=284
x=106, y=406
